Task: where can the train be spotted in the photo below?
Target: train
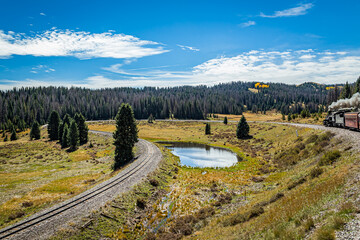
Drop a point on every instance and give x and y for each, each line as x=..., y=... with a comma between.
x=343, y=118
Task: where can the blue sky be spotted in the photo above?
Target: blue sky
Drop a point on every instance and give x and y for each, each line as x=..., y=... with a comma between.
x=100, y=44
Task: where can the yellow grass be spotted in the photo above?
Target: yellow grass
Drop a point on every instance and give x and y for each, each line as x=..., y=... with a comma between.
x=79, y=155
x=41, y=173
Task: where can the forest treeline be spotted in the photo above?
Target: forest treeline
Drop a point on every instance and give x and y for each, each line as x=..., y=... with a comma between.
x=23, y=106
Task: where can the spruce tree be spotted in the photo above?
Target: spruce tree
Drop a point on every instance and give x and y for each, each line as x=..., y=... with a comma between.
x=35, y=131
x=13, y=136
x=74, y=135
x=283, y=117
x=53, y=126
x=6, y=138
x=357, y=85
x=83, y=128
x=346, y=91
x=151, y=118
x=225, y=120
x=207, y=129
x=289, y=117
x=125, y=135
x=65, y=139
x=67, y=120
x=243, y=129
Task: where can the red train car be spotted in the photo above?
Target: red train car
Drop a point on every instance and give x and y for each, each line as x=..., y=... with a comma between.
x=352, y=120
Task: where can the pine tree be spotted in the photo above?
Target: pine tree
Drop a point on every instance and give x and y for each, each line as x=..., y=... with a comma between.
x=22, y=125
x=83, y=128
x=53, y=126
x=243, y=129
x=283, y=117
x=67, y=120
x=125, y=135
x=207, y=129
x=6, y=138
x=225, y=120
x=289, y=117
x=65, y=139
x=35, y=131
x=151, y=118
x=346, y=91
x=74, y=135
x=13, y=136
x=357, y=85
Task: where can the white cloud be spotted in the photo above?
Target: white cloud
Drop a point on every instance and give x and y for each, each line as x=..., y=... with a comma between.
x=83, y=45
x=291, y=67
x=42, y=68
x=188, y=48
x=291, y=12
x=42, y=14
x=307, y=56
x=248, y=24
x=10, y=84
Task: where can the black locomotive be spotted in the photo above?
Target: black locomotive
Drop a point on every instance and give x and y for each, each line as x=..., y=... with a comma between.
x=344, y=118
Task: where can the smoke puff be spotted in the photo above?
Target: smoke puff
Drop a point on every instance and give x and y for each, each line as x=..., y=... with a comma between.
x=353, y=102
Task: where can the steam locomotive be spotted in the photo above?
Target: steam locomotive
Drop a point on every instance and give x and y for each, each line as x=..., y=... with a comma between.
x=344, y=118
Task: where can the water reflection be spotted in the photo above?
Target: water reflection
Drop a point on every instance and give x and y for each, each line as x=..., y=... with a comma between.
x=201, y=155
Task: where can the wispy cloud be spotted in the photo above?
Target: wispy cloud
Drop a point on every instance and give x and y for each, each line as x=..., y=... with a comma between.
x=83, y=45
x=302, y=9
x=42, y=68
x=42, y=14
x=188, y=48
x=292, y=67
x=247, y=24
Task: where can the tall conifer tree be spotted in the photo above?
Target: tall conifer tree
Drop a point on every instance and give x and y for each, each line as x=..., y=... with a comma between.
x=67, y=120
x=243, y=129
x=53, y=126
x=35, y=131
x=125, y=135
x=13, y=136
x=207, y=129
x=83, y=128
x=65, y=139
x=74, y=135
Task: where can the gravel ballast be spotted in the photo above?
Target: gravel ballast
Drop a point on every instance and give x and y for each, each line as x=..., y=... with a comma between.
x=150, y=156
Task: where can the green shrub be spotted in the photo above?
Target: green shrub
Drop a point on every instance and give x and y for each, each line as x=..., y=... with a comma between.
x=329, y=158
x=325, y=136
x=347, y=207
x=337, y=222
x=312, y=138
x=325, y=234
x=315, y=172
x=296, y=183
x=309, y=224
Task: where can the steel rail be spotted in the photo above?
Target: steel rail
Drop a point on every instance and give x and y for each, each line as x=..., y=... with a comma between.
x=58, y=210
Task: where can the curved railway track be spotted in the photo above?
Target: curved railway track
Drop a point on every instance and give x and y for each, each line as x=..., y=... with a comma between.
x=47, y=222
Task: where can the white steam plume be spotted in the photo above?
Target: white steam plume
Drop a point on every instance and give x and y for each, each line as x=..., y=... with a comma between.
x=353, y=102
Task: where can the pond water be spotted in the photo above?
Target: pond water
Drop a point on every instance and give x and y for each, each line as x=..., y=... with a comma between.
x=200, y=155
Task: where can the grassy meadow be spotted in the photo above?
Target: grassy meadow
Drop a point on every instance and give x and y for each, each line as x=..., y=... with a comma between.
x=290, y=184
x=285, y=187
x=35, y=174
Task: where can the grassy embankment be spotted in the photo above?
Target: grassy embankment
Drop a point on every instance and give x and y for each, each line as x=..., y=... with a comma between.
x=35, y=174
x=285, y=187
x=271, y=116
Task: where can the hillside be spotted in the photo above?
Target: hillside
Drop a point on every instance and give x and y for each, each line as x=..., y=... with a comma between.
x=185, y=102
x=284, y=187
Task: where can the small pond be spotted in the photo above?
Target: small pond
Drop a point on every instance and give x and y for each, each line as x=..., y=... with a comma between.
x=201, y=155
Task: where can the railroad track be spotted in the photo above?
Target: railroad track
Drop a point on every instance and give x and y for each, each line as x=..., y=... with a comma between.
x=45, y=216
